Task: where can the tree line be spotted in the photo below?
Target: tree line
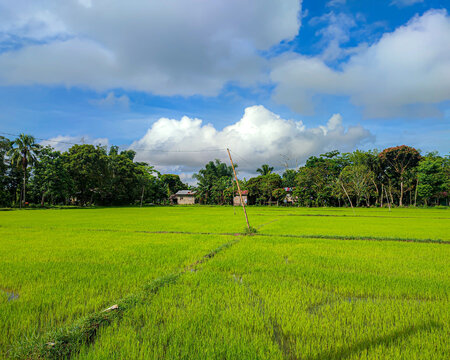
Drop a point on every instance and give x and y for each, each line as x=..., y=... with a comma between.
x=83, y=175
x=395, y=176
x=33, y=175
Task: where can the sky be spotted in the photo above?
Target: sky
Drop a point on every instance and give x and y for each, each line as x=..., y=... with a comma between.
x=180, y=81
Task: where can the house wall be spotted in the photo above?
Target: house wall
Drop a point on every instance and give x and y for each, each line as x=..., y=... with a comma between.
x=237, y=200
x=186, y=200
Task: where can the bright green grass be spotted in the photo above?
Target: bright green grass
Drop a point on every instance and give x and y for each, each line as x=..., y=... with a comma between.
x=401, y=223
x=265, y=297
x=61, y=275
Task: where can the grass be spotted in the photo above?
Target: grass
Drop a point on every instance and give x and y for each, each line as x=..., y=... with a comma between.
x=188, y=286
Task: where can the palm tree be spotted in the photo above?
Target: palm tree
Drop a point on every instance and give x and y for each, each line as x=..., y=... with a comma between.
x=22, y=154
x=265, y=169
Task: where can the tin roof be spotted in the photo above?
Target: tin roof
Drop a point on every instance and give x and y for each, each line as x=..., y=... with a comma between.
x=185, y=192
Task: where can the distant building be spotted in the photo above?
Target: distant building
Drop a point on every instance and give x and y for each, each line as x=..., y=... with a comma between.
x=184, y=197
x=289, y=196
x=237, y=200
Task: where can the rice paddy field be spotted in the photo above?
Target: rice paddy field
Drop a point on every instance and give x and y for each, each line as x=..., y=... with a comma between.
x=186, y=283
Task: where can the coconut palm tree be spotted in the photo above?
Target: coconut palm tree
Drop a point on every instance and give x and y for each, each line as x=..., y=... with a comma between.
x=265, y=169
x=23, y=154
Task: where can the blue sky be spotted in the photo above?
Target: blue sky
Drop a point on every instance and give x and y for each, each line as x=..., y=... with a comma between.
x=271, y=80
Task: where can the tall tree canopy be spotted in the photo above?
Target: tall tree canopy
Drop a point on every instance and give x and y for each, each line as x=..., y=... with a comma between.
x=265, y=169
x=173, y=183
x=5, y=146
x=397, y=162
x=51, y=178
x=23, y=154
x=88, y=167
x=432, y=176
x=213, y=180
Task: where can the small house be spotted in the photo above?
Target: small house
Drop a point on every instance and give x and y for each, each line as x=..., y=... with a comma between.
x=237, y=200
x=184, y=197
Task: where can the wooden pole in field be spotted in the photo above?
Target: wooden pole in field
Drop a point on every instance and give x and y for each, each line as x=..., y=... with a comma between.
x=232, y=198
x=239, y=189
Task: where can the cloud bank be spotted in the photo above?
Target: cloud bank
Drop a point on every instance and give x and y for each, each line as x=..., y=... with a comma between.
x=172, y=47
x=179, y=47
x=405, y=73
x=259, y=137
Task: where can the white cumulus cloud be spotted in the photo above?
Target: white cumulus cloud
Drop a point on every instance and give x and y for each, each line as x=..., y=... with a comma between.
x=405, y=73
x=259, y=137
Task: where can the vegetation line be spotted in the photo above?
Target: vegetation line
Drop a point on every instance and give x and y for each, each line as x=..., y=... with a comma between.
x=348, y=237
x=357, y=216
x=335, y=298
x=300, y=236
x=67, y=341
x=267, y=223
x=325, y=237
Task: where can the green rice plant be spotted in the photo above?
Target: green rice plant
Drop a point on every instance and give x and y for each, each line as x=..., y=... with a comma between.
x=296, y=290
x=250, y=230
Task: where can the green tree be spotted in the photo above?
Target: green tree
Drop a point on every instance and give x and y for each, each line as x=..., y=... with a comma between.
x=265, y=169
x=289, y=178
x=146, y=179
x=155, y=190
x=317, y=180
x=173, y=183
x=50, y=177
x=255, y=191
x=279, y=194
x=212, y=181
x=23, y=154
x=310, y=185
x=432, y=178
x=87, y=165
x=122, y=184
x=269, y=183
x=5, y=146
x=358, y=182
x=370, y=161
x=261, y=187
x=130, y=154
x=231, y=191
x=397, y=162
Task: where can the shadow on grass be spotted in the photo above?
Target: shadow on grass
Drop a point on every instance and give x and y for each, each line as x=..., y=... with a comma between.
x=384, y=340
x=284, y=341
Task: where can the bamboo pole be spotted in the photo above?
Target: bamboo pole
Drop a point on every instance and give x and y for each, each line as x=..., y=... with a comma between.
x=232, y=198
x=239, y=189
